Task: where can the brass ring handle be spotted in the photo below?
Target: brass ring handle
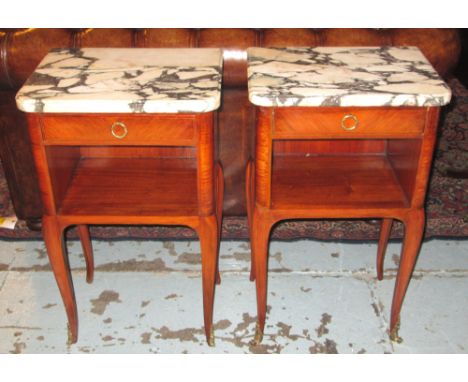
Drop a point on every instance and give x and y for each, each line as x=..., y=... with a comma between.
x=347, y=117
x=116, y=133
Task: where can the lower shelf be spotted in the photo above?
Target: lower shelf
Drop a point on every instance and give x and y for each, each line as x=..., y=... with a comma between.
x=132, y=186
x=335, y=181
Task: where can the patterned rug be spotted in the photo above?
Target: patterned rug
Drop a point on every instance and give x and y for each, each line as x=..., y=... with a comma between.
x=446, y=205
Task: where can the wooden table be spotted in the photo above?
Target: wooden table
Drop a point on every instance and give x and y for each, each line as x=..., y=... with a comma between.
x=126, y=136
x=341, y=133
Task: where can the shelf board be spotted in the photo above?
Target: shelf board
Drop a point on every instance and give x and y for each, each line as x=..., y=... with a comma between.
x=335, y=182
x=132, y=187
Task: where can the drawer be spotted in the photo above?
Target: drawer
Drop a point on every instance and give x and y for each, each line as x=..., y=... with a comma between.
x=352, y=123
x=173, y=130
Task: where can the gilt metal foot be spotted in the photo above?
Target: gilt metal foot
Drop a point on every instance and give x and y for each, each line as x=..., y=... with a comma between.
x=70, y=335
x=258, y=335
x=211, y=339
x=394, y=337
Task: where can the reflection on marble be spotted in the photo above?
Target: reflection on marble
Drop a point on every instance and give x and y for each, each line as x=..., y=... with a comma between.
x=343, y=76
x=124, y=80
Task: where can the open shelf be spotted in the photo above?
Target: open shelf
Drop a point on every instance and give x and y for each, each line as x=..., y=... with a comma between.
x=335, y=182
x=132, y=187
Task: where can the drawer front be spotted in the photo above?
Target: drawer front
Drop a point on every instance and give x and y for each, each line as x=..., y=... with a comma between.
x=118, y=130
x=352, y=123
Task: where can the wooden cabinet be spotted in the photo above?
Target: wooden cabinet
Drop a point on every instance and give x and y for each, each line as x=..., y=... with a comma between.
x=128, y=137
x=96, y=178
x=385, y=177
x=341, y=133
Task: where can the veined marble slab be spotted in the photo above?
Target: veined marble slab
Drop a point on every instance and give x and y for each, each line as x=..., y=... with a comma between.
x=124, y=80
x=343, y=76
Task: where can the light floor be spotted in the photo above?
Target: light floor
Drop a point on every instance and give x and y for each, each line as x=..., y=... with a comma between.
x=323, y=297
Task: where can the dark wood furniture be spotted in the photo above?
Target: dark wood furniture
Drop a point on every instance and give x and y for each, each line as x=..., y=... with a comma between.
x=22, y=49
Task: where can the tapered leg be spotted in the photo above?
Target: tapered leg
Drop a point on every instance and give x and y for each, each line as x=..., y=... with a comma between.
x=54, y=241
x=83, y=232
x=414, y=228
x=219, y=211
x=208, y=232
x=259, y=243
x=385, y=229
x=249, y=192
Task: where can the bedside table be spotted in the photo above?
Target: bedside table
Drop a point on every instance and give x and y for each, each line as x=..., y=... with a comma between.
x=341, y=133
x=126, y=136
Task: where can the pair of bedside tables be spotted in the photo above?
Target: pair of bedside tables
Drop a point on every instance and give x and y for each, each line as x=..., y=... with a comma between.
x=126, y=136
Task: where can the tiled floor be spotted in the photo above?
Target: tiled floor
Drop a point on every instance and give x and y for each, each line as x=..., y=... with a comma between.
x=146, y=298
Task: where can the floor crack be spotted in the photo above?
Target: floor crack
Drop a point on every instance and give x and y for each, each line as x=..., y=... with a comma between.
x=7, y=271
x=378, y=307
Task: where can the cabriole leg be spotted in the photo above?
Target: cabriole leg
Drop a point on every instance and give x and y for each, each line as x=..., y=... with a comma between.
x=219, y=210
x=55, y=244
x=249, y=191
x=385, y=229
x=414, y=228
x=85, y=239
x=259, y=242
x=208, y=232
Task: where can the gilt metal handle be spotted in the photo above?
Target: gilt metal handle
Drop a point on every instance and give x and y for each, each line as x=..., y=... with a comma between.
x=352, y=118
x=116, y=126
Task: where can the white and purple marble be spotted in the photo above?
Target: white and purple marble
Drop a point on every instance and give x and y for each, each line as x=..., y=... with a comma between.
x=343, y=76
x=124, y=80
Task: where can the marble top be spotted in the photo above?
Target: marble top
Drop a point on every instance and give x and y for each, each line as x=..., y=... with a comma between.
x=343, y=76
x=124, y=80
